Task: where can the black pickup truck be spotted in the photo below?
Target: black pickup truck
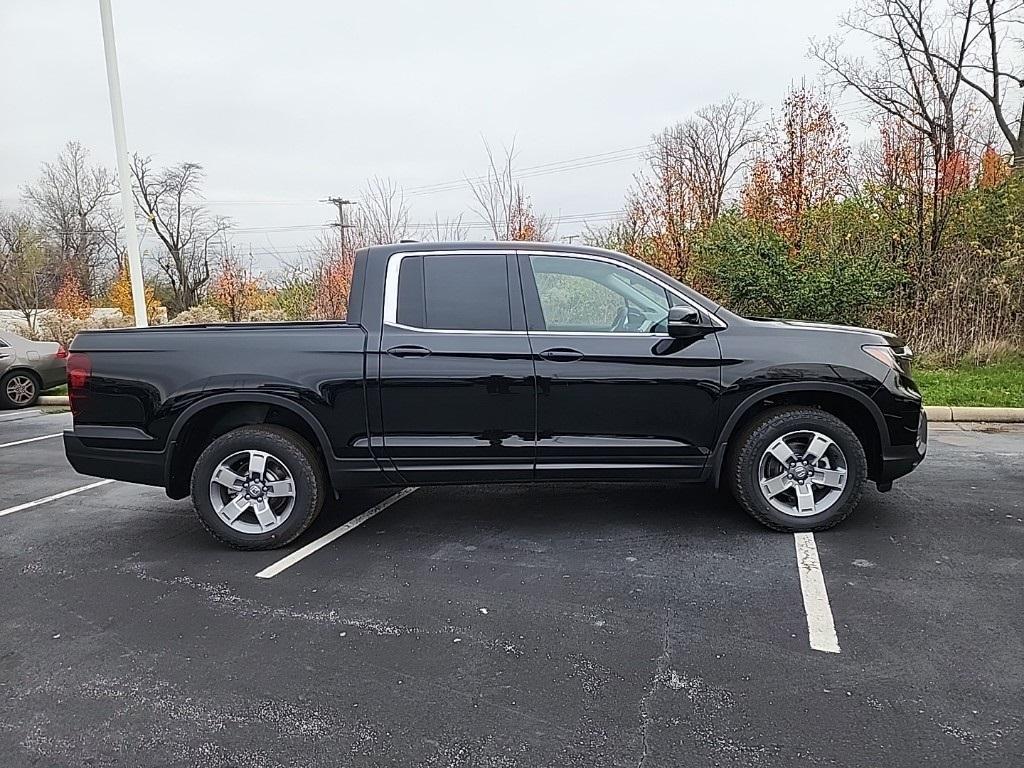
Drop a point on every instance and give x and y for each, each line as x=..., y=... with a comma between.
x=491, y=363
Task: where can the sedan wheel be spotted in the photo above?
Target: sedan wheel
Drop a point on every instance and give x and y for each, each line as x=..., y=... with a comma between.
x=19, y=390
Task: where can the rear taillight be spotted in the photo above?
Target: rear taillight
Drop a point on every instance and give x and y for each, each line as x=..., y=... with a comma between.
x=79, y=369
x=62, y=354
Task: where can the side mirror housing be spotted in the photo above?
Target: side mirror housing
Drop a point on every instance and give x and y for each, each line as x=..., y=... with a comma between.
x=684, y=321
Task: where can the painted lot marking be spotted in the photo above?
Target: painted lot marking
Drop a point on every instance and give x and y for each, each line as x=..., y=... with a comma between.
x=303, y=552
x=821, y=627
x=29, y=440
x=48, y=499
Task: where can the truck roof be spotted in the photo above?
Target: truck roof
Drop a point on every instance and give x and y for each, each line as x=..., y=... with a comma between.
x=491, y=245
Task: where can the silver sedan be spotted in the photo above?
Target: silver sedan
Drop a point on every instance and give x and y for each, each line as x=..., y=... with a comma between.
x=28, y=368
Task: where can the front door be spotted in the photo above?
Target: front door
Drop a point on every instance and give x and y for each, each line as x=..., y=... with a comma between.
x=616, y=397
x=456, y=372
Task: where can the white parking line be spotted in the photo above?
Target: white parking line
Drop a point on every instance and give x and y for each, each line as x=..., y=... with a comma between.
x=303, y=552
x=61, y=495
x=29, y=440
x=821, y=627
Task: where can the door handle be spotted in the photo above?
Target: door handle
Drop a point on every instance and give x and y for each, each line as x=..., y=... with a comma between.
x=561, y=354
x=408, y=351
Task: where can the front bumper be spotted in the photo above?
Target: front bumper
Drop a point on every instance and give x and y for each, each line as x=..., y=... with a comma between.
x=898, y=460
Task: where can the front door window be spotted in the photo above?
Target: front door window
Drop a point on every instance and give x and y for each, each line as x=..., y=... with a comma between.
x=589, y=296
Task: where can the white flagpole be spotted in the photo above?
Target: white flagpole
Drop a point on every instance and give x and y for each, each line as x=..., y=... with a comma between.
x=131, y=234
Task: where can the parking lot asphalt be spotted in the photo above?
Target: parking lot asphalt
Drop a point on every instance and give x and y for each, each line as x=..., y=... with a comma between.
x=575, y=625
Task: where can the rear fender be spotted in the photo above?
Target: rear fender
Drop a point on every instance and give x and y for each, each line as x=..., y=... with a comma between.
x=256, y=405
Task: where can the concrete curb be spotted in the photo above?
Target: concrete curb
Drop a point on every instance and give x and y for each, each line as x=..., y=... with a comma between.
x=53, y=400
x=940, y=413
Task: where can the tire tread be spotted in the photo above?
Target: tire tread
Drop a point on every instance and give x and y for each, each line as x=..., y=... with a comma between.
x=312, y=469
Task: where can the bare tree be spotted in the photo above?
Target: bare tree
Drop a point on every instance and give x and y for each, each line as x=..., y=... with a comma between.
x=70, y=202
x=24, y=266
x=503, y=203
x=444, y=230
x=917, y=74
x=384, y=213
x=992, y=70
x=707, y=152
x=917, y=80
x=190, y=235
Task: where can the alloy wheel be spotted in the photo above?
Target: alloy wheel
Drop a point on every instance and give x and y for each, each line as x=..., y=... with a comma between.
x=252, y=491
x=21, y=389
x=802, y=473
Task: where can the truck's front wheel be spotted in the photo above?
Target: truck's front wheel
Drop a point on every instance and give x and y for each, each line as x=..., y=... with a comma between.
x=798, y=469
x=258, y=487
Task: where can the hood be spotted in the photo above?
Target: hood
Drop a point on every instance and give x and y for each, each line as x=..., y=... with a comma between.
x=884, y=336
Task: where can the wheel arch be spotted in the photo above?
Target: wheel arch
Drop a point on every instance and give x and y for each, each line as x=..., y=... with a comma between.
x=849, y=405
x=215, y=415
x=21, y=368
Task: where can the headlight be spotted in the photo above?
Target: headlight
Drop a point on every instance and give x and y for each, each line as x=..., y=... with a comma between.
x=897, y=358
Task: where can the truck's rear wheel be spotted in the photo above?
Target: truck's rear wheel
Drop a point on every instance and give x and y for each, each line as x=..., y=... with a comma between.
x=798, y=469
x=258, y=487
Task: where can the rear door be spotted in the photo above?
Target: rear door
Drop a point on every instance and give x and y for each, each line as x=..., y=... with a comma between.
x=616, y=396
x=456, y=372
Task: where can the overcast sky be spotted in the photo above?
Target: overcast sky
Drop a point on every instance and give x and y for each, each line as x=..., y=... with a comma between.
x=294, y=101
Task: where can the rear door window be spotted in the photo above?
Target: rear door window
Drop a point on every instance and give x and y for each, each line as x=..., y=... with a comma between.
x=454, y=292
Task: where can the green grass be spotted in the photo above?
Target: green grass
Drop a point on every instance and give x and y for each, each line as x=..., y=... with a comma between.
x=998, y=384
x=61, y=390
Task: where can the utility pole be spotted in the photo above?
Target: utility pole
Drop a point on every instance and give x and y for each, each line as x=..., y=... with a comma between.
x=340, y=224
x=570, y=238
x=131, y=234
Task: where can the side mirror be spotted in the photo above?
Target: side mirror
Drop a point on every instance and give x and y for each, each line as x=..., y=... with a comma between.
x=684, y=321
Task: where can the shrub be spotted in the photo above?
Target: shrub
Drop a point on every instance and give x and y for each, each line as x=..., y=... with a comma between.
x=837, y=276
x=266, y=316
x=198, y=315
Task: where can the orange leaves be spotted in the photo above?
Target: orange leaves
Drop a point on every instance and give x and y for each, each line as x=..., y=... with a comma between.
x=120, y=296
x=805, y=163
x=758, y=197
x=333, y=281
x=954, y=173
x=236, y=291
x=70, y=300
x=522, y=223
x=993, y=169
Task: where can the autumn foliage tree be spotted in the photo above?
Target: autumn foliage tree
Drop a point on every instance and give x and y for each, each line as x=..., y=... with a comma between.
x=332, y=282
x=235, y=290
x=993, y=169
x=120, y=296
x=70, y=300
x=805, y=164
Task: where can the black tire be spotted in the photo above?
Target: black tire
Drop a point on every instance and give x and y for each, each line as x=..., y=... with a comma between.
x=754, y=439
x=7, y=378
x=292, y=451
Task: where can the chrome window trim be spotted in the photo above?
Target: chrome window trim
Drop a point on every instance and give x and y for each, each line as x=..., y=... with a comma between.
x=395, y=262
